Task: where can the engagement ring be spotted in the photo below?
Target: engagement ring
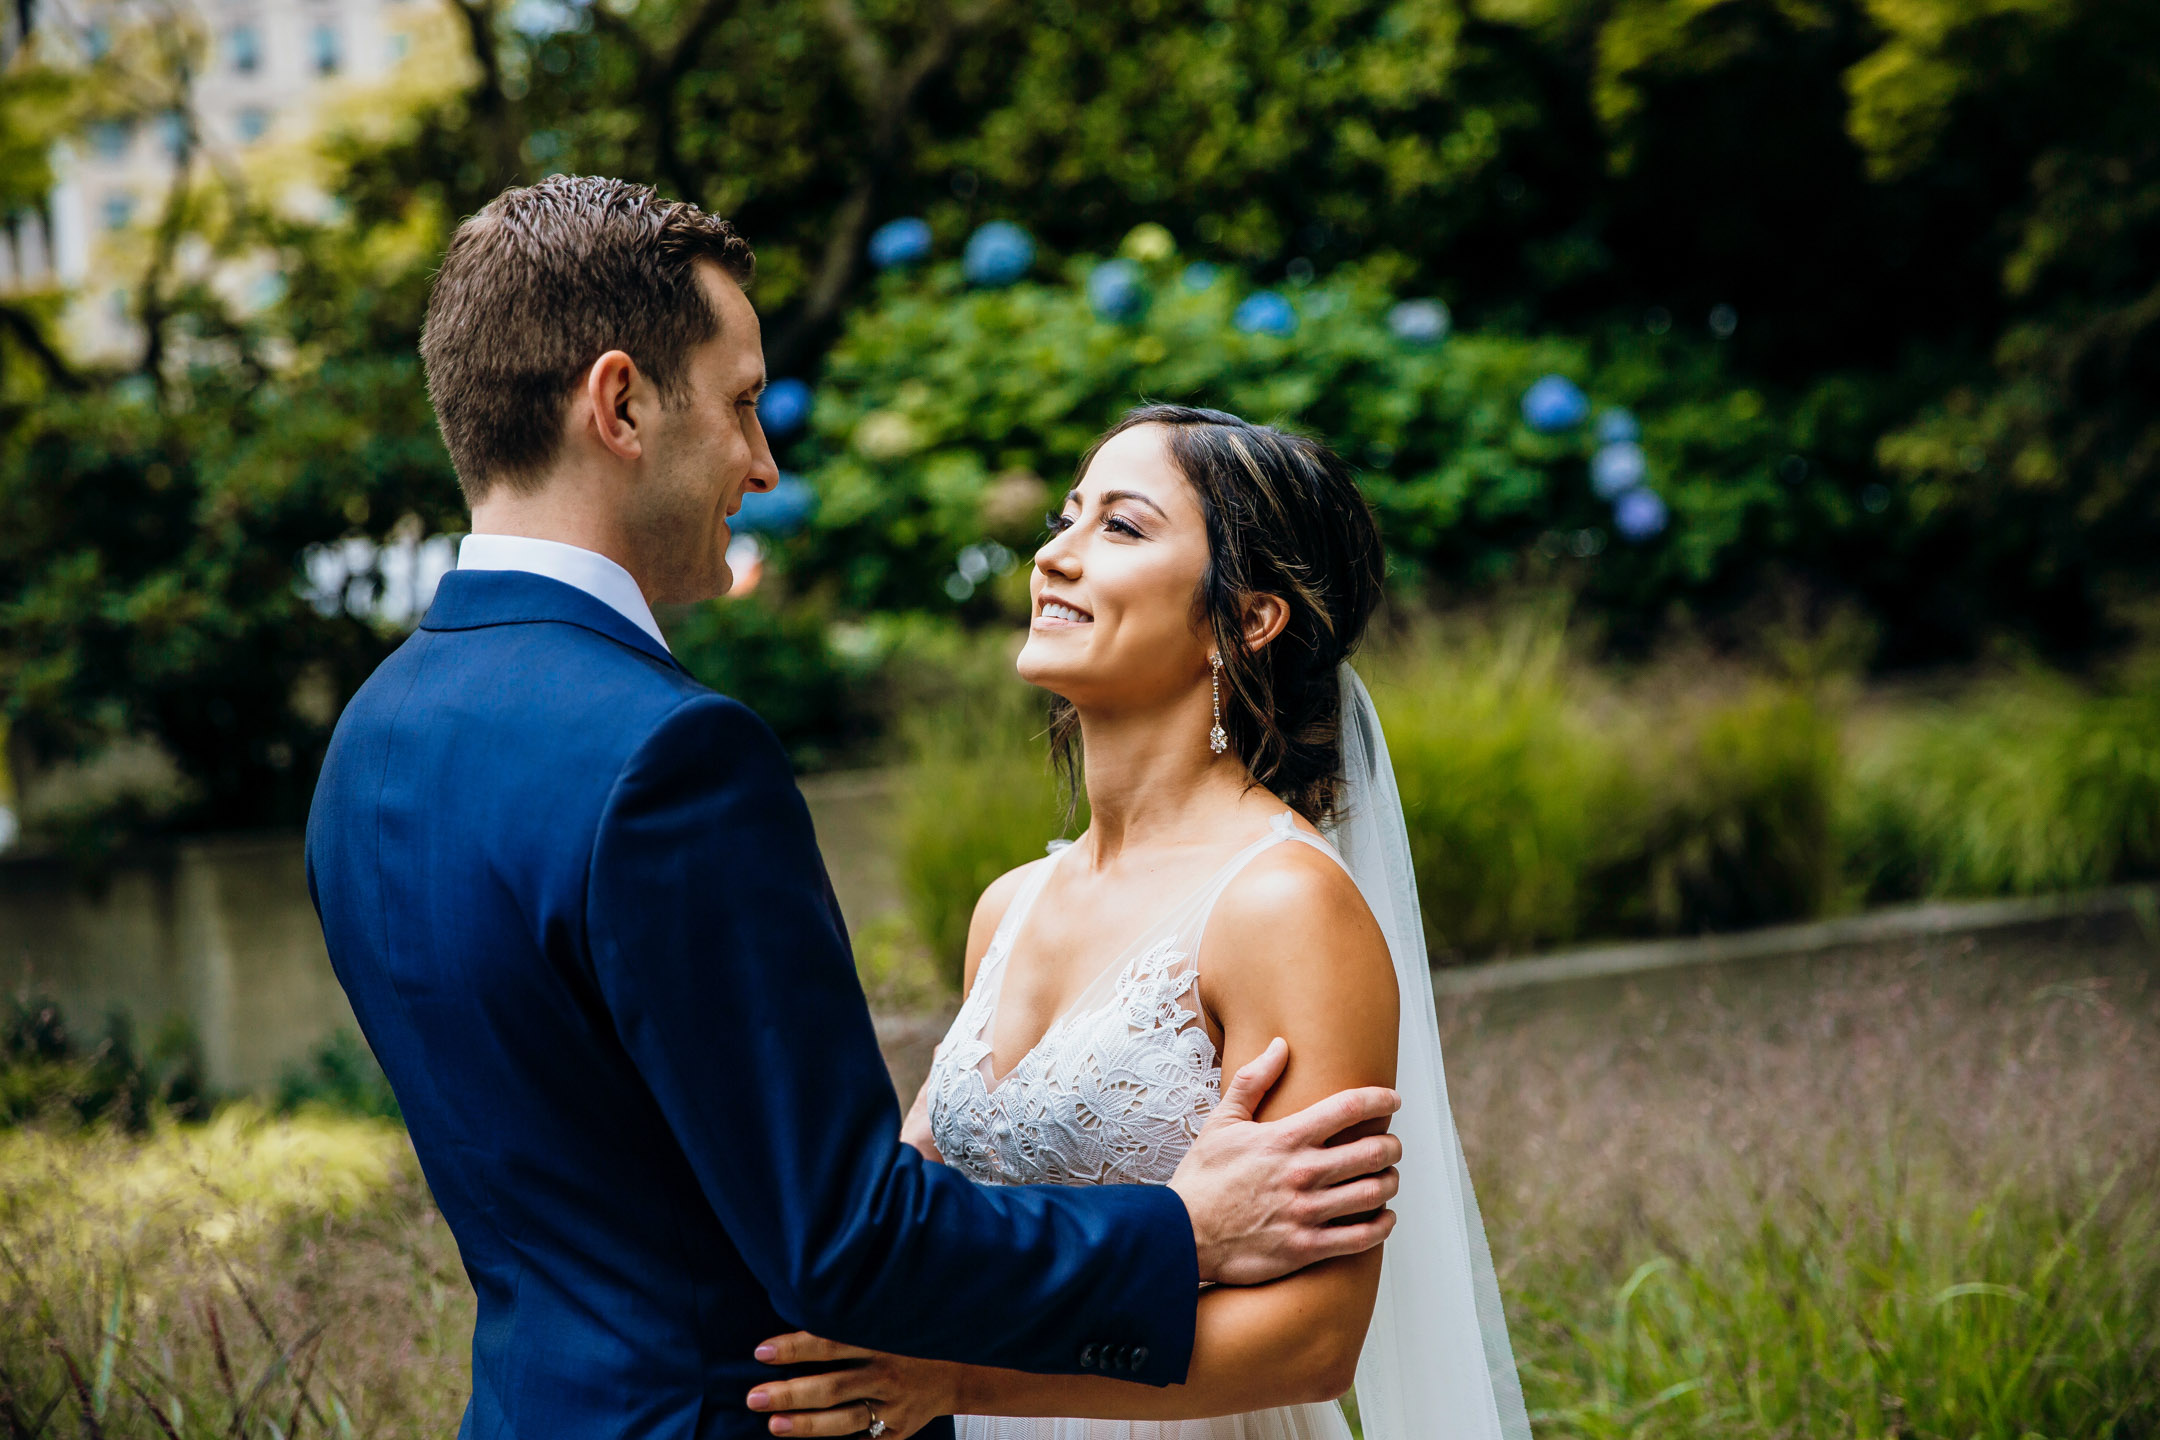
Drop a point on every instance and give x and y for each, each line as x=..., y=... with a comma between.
x=877, y=1426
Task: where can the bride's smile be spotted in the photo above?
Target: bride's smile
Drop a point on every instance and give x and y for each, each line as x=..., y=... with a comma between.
x=1114, y=623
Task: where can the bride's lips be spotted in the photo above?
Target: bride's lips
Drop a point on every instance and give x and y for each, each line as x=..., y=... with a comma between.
x=1054, y=612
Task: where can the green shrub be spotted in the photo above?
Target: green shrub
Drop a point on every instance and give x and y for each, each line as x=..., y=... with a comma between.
x=1509, y=789
x=2022, y=786
x=1546, y=801
x=938, y=394
x=46, y=1076
x=1731, y=800
x=779, y=660
x=342, y=1077
x=941, y=403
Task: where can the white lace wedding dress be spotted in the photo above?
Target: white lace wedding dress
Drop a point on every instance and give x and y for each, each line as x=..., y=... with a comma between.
x=1113, y=1094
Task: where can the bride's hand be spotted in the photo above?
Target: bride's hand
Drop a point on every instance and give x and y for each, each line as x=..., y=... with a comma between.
x=861, y=1386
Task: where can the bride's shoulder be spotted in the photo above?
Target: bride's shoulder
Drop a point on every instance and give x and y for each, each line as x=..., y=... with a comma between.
x=1292, y=920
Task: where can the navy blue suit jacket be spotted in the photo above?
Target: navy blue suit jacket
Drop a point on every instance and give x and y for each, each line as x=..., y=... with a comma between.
x=576, y=901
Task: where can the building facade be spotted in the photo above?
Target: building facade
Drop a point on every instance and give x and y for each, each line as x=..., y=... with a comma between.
x=265, y=65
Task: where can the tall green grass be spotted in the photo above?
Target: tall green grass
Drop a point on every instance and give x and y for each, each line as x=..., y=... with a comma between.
x=251, y=1278
x=977, y=797
x=1551, y=799
x=1905, y=1199
x=1546, y=800
x=2021, y=785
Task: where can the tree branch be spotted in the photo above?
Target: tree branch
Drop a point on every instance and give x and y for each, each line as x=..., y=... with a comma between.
x=490, y=105
x=658, y=76
x=887, y=95
x=31, y=336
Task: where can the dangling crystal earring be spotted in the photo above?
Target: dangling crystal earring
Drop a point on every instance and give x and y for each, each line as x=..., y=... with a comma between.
x=1217, y=741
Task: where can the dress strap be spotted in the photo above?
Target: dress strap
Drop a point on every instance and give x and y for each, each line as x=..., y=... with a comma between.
x=1016, y=913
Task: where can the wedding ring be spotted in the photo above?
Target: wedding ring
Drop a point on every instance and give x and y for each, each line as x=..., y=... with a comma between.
x=877, y=1427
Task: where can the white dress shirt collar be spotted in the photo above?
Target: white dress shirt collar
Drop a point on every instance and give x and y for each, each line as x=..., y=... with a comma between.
x=586, y=570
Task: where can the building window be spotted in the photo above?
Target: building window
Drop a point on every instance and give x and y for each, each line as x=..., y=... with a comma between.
x=243, y=45
x=173, y=134
x=323, y=46
x=253, y=123
x=111, y=139
x=119, y=210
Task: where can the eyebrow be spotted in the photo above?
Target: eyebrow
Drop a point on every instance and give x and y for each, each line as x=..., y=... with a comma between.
x=1110, y=497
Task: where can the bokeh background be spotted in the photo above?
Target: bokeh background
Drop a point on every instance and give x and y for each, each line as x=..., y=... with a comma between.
x=1761, y=402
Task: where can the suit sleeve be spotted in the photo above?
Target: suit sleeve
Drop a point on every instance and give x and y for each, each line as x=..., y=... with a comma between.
x=724, y=965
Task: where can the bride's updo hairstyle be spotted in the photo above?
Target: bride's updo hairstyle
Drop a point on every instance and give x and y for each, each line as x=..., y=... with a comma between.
x=1285, y=517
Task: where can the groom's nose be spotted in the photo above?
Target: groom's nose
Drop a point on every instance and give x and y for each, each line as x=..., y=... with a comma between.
x=764, y=470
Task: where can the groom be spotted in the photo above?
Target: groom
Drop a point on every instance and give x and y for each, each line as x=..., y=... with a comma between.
x=576, y=902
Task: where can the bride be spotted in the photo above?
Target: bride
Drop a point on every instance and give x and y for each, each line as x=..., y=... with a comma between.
x=1243, y=881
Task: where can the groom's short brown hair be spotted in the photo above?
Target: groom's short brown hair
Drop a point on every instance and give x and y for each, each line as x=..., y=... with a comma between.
x=542, y=282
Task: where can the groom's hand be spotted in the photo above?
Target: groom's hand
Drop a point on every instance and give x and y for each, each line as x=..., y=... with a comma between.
x=1267, y=1199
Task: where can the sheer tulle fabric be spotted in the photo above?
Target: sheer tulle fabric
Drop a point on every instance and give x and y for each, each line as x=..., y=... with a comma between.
x=1437, y=1362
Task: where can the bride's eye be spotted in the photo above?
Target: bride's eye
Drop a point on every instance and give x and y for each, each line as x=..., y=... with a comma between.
x=1123, y=527
x=1057, y=524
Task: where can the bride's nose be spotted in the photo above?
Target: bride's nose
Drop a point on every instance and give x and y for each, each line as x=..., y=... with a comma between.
x=1059, y=556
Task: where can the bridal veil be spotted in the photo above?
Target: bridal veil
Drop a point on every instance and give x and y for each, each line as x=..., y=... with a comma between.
x=1437, y=1364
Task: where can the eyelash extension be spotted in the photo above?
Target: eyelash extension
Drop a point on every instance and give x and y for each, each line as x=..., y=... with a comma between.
x=1059, y=524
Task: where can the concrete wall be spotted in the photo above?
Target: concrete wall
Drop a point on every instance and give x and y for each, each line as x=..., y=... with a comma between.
x=221, y=932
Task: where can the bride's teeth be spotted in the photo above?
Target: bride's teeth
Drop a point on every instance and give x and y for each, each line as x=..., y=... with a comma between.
x=1055, y=611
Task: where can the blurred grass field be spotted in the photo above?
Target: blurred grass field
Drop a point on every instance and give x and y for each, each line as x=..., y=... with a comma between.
x=1910, y=1192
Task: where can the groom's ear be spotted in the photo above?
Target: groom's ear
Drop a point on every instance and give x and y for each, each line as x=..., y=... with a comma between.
x=614, y=392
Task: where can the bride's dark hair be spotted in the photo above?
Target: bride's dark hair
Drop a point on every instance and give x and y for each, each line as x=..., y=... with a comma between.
x=1285, y=517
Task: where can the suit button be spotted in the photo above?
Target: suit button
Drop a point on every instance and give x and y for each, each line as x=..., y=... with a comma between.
x=1139, y=1356
x=1087, y=1357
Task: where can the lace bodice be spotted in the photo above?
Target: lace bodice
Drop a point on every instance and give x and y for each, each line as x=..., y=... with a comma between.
x=1118, y=1086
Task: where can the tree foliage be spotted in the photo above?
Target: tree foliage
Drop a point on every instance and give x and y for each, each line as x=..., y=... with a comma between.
x=1926, y=227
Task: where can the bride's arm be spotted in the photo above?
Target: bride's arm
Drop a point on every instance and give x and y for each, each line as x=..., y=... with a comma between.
x=1291, y=951
x=915, y=1129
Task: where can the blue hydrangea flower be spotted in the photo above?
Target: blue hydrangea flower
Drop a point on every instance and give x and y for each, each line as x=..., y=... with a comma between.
x=783, y=408
x=1420, y=322
x=1617, y=427
x=900, y=242
x=1265, y=313
x=1116, y=291
x=1554, y=404
x=1639, y=514
x=1200, y=275
x=997, y=254
x=777, y=511
x=1617, y=469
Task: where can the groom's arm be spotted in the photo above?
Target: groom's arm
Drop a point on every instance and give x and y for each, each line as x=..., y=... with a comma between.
x=730, y=981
